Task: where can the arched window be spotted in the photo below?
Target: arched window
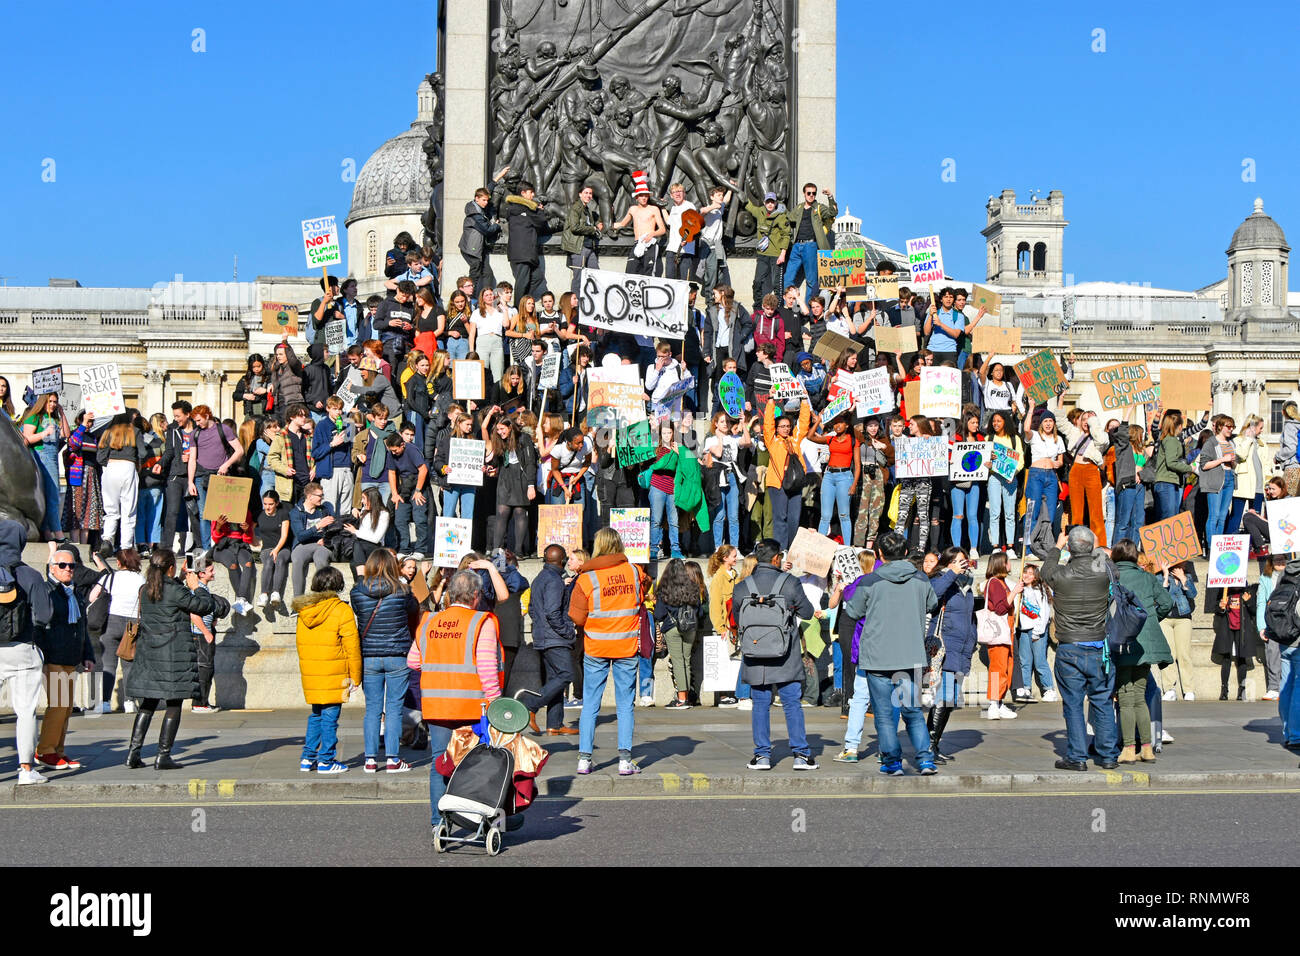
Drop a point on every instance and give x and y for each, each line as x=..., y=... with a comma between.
x=372, y=253
x=1022, y=257
x=1040, y=257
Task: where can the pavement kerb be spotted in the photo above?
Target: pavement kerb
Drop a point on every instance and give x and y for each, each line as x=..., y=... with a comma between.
x=414, y=786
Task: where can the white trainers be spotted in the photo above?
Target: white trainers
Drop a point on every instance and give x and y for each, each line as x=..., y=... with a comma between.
x=1166, y=737
x=31, y=776
x=129, y=707
x=993, y=712
x=1051, y=697
x=1189, y=696
x=241, y=607
x=1024, y=694
x=275, y=597
x=646, y=701
x=1006, y=713
x=1271, y=695
x=1170, y=694
x=745, y=704
x=261, y=600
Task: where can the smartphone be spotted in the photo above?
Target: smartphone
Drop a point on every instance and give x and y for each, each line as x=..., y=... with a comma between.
x=188, y=562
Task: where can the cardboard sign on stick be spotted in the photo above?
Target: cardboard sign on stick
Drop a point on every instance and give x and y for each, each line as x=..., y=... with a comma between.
x=1125, y=383
x=925, y=259
x=467, y=380
x=279, y=318
x=1171, y=541
x=1186, y=389
x=1229, y=561
x=940, y=392
x=320, y=239
x=451, y=540
x=990, y=300
x=1040, y=374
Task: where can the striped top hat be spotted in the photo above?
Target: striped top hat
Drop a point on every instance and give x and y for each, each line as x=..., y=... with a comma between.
x=640, y=183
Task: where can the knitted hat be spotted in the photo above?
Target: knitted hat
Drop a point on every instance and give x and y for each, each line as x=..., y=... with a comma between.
x=640, y=183
x=1047, y=413
x=801, y=357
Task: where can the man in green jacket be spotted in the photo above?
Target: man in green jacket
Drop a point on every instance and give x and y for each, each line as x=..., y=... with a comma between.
x=581, y=236
x=773, y=237
x=812, y=226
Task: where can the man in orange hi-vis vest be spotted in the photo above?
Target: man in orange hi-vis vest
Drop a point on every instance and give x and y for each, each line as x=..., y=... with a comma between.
x=459, y=655
x=607, y=601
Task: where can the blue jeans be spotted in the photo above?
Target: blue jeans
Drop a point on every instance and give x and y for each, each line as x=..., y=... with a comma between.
x=439, y=738
x=835, y=494
x=464, y=494
x=1002, y=508
x=555, y=495
x=1129, y=512
x=47, y=473
x=457, y=348
x=595, y=671
x=966, y=503
x=761, y=716
x=205, y=527
x=1108, y=511
x=858, y=705
x=645, y=676
x=403, y=518
x=950, y=693
x=1288, y=701
x=383, y=680
x=1032, y=655
x=322, y=738
x=1079, y=675
x=1044, y=487
x=660, y=503
x=1219, y=504
x=802, y=264
x=893, y=694
x=729, y=509
x=148, y=528
x=1239, y=509
x=1168, y=497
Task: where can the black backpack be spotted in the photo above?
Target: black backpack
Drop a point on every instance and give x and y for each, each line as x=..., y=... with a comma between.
x=16, y=618
x=766, y=623
x=1280, y=621
x=1125, y=616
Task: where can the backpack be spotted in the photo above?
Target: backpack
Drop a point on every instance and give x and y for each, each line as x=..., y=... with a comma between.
x=16, y=618
x=766, y=623
x=685, y=619
x=1280, y=621
x=1125, y=615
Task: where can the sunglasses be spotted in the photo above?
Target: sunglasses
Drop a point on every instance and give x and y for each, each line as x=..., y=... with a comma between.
x=65, y=565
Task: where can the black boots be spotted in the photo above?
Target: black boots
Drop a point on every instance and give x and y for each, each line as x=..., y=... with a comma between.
x=1223, y=692
x=1241, y=692
x=940, y=717
x=138, y=731
x=171, y=723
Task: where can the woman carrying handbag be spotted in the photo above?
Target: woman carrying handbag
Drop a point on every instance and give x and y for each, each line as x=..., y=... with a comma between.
x=994, y=627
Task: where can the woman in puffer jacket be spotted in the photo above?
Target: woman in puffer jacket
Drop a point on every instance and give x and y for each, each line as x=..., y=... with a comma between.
x=387, y=617
x=166, y=665
x=329, y=660
x=954, y=586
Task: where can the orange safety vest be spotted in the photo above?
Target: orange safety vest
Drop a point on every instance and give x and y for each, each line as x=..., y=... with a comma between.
x=449, y=682
x=613, y=628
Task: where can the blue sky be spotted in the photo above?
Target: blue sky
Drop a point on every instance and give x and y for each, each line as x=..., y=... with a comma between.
x=170, y=161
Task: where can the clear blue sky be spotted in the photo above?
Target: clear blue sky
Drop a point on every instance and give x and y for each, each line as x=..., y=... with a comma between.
x=169, y=161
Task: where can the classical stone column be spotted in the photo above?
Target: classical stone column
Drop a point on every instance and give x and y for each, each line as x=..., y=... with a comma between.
x=153, y=398
x=814, y=54
x=465, y=132
x=1223, y=390
x=1253, y=391
x=212, y=391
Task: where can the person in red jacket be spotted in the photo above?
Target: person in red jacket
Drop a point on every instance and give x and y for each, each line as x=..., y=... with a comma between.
x=769, y=326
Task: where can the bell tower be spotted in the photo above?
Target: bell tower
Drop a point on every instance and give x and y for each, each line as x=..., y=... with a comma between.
x=1024, y=240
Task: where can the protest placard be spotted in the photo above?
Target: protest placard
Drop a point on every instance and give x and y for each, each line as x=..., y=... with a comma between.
x=633, y=527
x=559, y=524
x=350, y=389
x=811, y=553
x=683, y=385
x=925, y=259
x=1283, y=525
x=336, y=336
x=720, y=671
x=831, y=344
x=465, y=462
x=846, y=565
x=731, y=389
x=636, y=304
x=843, y=269
x=878, y=289
x=940, y=391
x=890, y=339
x=912, y=397
x=791, y=391
x=970, y=461
x=635, y=444
x=1229, y=561
x=990, y=300
x=612, y=403
x=1040, y=374
x=991, y=340
x=550, y=377
x=227, y=496
x=629, y=374
x=837, y=406
x=1125, y=383
x=1171, y=541
x=873, y=392
x=467, y=380
x=279, y=318
x=1005, y=462
x=320, y=240
x=921, y=457
x=451, y=540
x=101, y=390
x=1185, y=389
x=48, y=380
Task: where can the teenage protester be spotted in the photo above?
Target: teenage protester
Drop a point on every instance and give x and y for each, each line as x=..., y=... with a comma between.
x=525, y=224
x=512, y=460
x=1046, y=451
x=811, y=229
x=918, y=492
x=841, y=476
x=408, y=482
x=1248, y=488
x=721, y=466
x=329, y=662
x=785, y=471
x=678, y=600
x=1288, y=453
x=877, y=455
x=773, y=231
x=203, y=627
x=954, y=627
x=661, y=488
x=945, y=325
x=1216, y=474
x=165, y=669
x=1127, y=457
x=173, y=467
x=317, y=381
x=309, y=521
x=232, y=548
x=479, y=231
x=679, y=262
x=1236, y=638
x=1170, y=466
x=892, y=603
x=727, y=333
x=331, y=453
x=325, y=308
x=1081, y=590
x=1288, y=701
x=286, y=376
x=1033, y=617
x=997, y=393
x=460, y=325
x=608, y=601
x=123, y=586
x=581, y=237
x=1133, y=666
x=723, y=575
x=121, y=455
x=1180, y=582
x=275, y=537
x=387, y=615
x=289, y=456
x=996, y=635
x=251, y=389
x=1087, y=441
x=767, y=606
x=216, y=450
x=965, y=495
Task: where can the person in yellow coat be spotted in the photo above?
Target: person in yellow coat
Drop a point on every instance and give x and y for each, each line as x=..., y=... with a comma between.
x=329, y=659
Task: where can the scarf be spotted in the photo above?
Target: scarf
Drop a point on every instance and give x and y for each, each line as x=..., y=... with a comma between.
x=74, y=609
x=378, y=463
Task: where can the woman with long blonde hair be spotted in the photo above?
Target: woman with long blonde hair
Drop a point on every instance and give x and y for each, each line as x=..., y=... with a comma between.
x=524, y=329
x=723, y=575
x=121, y=455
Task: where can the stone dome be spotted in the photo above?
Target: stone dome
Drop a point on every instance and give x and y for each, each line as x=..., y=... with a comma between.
x=1259, y=231
x=395, y=179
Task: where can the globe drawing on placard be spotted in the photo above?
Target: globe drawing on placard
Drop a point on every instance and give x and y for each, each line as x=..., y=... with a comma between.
x=971, y=461
x=282, y=317
x=1228, y=563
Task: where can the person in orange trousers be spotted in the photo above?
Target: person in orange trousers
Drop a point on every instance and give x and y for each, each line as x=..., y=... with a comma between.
x=997, y=599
